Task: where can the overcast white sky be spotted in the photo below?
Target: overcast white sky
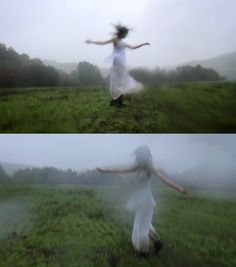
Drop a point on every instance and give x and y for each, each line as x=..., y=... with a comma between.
x=178, y=30
x=174, y=152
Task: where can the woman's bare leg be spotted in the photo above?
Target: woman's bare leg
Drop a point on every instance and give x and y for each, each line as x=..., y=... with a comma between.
x=153, y=234
x=154, y=237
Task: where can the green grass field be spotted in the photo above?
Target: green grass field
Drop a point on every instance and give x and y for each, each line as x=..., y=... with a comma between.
x=192, y=108
x=56, y=226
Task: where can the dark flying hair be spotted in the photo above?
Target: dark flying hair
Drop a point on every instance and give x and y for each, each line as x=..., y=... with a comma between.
x=121, y=31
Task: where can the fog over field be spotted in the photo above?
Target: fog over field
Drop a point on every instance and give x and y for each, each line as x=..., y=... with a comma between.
x=174, y=153
x=178, y=30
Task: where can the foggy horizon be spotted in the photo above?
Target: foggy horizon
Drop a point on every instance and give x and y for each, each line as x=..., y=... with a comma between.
x=175, y=153
x=178, y=30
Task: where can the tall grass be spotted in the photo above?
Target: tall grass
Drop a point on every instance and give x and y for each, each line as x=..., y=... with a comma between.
x=82, y=227
x=191, y=107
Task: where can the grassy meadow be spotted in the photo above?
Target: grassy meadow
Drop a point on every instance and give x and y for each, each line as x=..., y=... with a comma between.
x=56, y=226
x=190, y=107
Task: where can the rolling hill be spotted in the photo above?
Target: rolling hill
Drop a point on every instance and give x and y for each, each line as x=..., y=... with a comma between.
x=224, y=64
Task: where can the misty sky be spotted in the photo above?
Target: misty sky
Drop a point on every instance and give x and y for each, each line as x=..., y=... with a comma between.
x=174, y=152
x=178, y=30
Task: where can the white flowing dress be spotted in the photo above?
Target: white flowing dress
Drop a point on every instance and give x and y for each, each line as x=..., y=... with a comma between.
x=142, y=203
x=121, y=83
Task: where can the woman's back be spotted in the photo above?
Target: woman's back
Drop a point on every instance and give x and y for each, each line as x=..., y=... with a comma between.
x=141, y=193
x=118, y=46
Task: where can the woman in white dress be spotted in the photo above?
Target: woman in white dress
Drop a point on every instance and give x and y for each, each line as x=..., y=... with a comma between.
x=121, y=83
x=144, y=236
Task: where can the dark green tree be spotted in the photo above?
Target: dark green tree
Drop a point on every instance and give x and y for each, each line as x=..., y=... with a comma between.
x=89, y=74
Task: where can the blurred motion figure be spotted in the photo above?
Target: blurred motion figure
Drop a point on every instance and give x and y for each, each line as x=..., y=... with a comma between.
x=121, y=83
x=144, y=236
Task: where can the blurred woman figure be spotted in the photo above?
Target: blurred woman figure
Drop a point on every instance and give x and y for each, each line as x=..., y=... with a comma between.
x=121, y=83
x=144, y=236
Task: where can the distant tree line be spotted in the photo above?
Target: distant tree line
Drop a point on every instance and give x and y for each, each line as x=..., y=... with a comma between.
x=51, y=175
x=18, y=70
x=178, y=75
x=55, y=176
x=203, y=177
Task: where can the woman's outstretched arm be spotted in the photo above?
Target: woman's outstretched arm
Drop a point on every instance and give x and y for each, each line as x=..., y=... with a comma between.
x=168, y=182
x=136, y=46
x=118, y=170
x=100, y=42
